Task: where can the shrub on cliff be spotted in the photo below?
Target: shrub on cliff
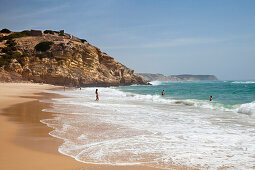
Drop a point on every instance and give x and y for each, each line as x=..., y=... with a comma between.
x=3, y=38
x=61, y=34
x=15, y=35
x=6, y=58
x=43, y=46
x=12, y=54
x=83, y=40
x=48, y=32
x=8, y=49
x=10, y=42
x=18, y=34
x=4, y=61
x=15, y=54
x=5, y=30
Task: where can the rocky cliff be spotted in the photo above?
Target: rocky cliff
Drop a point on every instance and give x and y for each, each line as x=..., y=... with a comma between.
x=59, y=58
x=184, y=77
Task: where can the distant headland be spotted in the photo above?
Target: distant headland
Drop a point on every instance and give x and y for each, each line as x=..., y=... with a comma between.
x=183, y=77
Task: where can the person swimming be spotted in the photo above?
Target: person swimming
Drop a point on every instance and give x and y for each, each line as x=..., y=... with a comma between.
x=210, y=98
x=97, y=98
x=163, y=92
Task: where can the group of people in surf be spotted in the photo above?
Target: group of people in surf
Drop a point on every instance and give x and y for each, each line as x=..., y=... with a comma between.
x=163, y=93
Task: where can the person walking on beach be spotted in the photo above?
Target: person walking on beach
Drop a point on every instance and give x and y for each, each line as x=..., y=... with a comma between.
x=97, y=98
x=210, y=98
x=163, y=93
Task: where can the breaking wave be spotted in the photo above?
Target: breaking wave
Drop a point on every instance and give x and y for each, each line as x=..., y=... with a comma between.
x=126, y=128
x=155, y=83
x=247, y=108
x=243, y=82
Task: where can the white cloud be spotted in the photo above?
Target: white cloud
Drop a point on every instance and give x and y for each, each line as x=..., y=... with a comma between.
x=178, y=42
x=168, y=43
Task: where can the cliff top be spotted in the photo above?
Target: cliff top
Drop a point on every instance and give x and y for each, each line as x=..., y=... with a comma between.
x=56, y=57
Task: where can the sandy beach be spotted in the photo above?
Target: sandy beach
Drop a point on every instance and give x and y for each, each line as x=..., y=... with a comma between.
x=24, y=140
x=14, y=154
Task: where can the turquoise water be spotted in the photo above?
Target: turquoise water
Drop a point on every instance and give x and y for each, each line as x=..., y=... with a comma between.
x=133, y=125
x=227, y=94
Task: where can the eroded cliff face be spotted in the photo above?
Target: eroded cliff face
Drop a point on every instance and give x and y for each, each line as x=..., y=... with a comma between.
x=68, y=61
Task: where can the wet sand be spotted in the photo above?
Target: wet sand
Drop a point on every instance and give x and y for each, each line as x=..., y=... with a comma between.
x=24, y=140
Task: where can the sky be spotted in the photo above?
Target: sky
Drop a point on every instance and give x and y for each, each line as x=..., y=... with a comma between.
x=152, y=36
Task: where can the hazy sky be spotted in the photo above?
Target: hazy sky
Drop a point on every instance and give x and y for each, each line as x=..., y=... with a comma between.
x=153, y=36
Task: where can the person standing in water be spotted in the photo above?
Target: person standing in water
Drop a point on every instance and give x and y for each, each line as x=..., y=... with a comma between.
x=210, y=98
x=97, y=98
x=163, y=92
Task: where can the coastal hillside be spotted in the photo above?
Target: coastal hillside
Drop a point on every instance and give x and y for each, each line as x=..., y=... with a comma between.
x=184, y=77
x=55, y=57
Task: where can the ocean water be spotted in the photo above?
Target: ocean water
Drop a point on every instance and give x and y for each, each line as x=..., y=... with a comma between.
x=136, y=125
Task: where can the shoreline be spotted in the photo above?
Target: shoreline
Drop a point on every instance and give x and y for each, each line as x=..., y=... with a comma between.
x=18, y=149
x=24, y=140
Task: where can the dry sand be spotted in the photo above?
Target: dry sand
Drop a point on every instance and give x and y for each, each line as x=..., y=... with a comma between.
x=14, y=156
x=24, y=141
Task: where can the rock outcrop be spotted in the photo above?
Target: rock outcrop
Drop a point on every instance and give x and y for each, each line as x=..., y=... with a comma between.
x=184, y=77
x=60, y=58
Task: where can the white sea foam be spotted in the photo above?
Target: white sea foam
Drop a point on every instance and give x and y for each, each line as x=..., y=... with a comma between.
x=155, y=83
x=247, y=108
x=125, y=128
x=108, y=93
x=243, y=82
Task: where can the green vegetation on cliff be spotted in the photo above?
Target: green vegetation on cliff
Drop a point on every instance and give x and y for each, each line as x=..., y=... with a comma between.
x=10, y=52
x=43, y=46
x=48, y=32
x=59, y=58
x=83, y=40
x=5, y=31
x=15, y=35
x=52, y=32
